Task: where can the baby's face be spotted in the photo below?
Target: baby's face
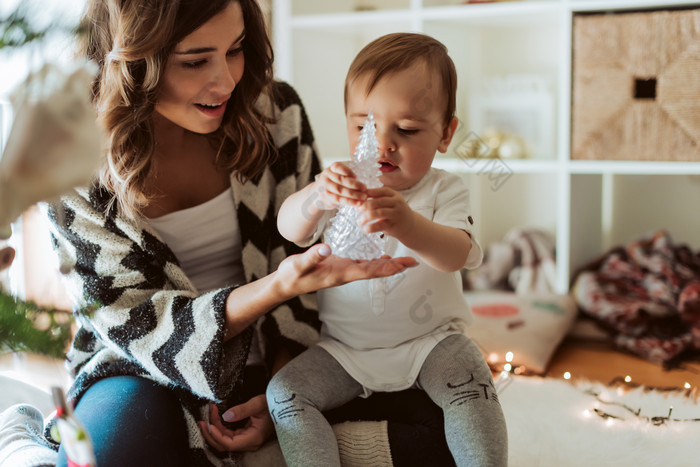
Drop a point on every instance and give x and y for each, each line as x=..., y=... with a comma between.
x=408, y=109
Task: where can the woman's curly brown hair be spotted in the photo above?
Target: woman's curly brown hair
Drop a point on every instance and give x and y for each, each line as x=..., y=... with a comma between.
x=131, y=41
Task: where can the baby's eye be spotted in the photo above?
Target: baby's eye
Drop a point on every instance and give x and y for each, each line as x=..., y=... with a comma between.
x=407, y=131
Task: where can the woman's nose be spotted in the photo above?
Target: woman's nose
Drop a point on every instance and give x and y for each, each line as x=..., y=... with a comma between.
x=223, y=80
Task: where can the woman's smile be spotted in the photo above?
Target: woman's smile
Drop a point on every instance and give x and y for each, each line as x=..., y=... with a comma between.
x=212, y=110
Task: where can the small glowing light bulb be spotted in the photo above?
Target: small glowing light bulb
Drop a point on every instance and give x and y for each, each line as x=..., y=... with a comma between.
x=507, y=367
x=628, y=378
x=567, y=375
x=686, y=385
x=509, y=356
x=493, y=357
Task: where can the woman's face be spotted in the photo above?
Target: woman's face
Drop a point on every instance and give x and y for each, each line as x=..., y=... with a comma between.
x=203, y=71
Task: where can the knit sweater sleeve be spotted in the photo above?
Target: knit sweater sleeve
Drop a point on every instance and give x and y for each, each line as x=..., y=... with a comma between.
x=148, y=319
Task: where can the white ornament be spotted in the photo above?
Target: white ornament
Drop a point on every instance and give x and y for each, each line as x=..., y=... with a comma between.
x=55, y=143
x=344, y=235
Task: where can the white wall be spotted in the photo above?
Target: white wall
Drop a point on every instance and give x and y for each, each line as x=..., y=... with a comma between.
x=643, y=204
x=16, y=64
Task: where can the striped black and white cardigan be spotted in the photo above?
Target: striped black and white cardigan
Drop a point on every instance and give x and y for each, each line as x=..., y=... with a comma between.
x=152, y=322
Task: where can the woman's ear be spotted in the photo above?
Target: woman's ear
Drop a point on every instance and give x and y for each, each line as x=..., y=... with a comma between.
x=447, y=135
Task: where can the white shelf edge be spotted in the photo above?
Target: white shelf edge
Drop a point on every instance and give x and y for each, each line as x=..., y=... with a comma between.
x=326, y=20
x=489, y=10
x=485, y=165
x=600, y=5
x=576, y=167
x=282, y=41
x=476, y=11
x=563, y=202
x=493, y=165
x=633, y=167
x=563, y=230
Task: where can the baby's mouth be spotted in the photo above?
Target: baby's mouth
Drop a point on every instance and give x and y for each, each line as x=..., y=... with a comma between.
x=387, y=166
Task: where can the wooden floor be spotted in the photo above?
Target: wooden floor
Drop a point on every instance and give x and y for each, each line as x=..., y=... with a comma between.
x=599, y=361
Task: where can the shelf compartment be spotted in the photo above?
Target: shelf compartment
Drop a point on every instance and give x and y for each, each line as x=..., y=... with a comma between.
x=642, y=204
x=508, y=77
x=325, y=55
x=609, y=210
x=634, y=86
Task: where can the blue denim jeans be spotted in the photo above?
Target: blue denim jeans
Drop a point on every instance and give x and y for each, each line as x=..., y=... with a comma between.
x=132, y=422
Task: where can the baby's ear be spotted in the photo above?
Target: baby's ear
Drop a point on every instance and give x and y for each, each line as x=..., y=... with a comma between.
x=447, y=135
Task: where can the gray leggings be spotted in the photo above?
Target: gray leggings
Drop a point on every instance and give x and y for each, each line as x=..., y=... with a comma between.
x=454, y=375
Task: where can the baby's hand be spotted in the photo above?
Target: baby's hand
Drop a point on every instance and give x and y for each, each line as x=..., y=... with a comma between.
x=386, y=211
x=337, y=185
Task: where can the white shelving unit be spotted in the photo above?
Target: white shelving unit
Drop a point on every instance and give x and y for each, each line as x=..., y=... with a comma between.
x=588, y=205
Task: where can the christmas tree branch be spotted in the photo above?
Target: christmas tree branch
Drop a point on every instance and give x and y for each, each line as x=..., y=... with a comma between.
x=25, y=326
x=15, y=30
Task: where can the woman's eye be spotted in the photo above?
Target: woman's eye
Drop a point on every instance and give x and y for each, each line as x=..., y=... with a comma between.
x=407, y=131
x=195, y=64
x=360, y=127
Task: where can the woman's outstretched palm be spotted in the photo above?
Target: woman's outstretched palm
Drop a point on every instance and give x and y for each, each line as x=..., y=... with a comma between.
x=312, y=270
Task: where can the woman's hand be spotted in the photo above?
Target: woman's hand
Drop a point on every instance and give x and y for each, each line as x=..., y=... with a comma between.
x=317, y=269
x=250, y=438
x=313, y=270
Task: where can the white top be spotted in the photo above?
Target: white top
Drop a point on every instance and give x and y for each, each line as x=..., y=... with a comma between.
x=381, y=330
x=207, y=241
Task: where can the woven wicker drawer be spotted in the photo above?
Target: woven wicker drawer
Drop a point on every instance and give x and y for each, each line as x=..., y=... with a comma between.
x=636, y=86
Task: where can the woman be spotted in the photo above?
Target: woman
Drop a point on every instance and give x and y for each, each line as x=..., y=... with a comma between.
x=177, y=242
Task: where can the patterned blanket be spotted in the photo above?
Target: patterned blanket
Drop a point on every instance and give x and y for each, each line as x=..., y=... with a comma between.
x=523, y=262
x=648, y=295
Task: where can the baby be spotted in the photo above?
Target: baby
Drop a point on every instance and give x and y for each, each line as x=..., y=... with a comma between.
x=407, y=331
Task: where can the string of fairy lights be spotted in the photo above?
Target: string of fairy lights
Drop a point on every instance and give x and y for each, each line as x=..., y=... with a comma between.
x=637, y=413
x=504, y=379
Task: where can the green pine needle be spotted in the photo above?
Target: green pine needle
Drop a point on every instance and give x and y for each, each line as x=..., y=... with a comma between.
x=27, y=327
x=15, y=30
